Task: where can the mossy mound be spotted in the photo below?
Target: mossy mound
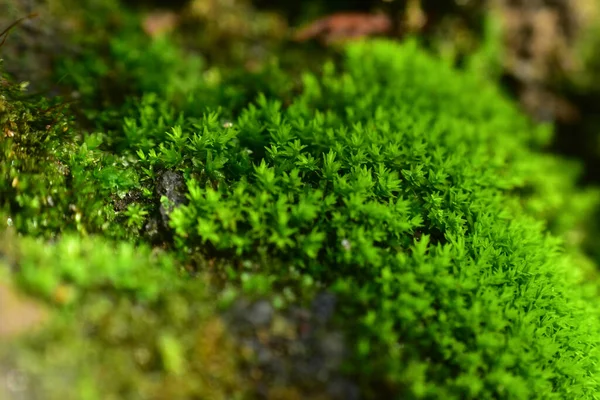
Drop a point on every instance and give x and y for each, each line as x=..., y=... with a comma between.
x=53, y=179
x=125, y=323
x=411, y=192
x=390, y=183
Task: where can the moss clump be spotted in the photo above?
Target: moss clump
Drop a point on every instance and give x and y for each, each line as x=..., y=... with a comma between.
x=53, y=178
x=389, y=183
x=412, y=192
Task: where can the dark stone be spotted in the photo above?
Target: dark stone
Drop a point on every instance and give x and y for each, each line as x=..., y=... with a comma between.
x=323, y=306
x=171, y=185
x=307, y=357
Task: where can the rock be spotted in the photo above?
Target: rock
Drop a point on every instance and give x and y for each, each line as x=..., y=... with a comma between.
x=171, y=185
x=294, y=349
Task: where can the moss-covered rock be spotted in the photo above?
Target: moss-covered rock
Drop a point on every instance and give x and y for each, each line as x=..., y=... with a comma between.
x=388, y=183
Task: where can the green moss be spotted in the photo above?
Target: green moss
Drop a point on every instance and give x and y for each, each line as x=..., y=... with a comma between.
x=417, y=194
x=53, y=178
x=393, y=184
x=134, y=64
x=126, y=323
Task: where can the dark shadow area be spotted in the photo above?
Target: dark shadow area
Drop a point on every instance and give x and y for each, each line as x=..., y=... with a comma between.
x=580, y=139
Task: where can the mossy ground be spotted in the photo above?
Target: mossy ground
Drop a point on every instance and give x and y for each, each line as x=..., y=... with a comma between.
x=379, y=224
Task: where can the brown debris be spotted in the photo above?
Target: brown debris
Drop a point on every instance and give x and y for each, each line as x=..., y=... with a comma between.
x=160, y=22
x=544, y=105
x=343, y=26
x=540, y=48
x=534, y=41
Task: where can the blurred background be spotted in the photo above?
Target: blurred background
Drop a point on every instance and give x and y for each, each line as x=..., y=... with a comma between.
x=544, y=52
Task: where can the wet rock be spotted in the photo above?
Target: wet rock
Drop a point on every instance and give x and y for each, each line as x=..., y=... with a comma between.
x=332, y=344
x=172, y=186
x=542, y=41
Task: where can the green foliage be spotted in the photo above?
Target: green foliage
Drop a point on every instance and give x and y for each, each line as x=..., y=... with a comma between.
x=135, y=215
x=128, y=74
x=134, y=64
x=416, y=193
x=53, y=178
x=394, y=181
x=126, y=323
x=88, y=265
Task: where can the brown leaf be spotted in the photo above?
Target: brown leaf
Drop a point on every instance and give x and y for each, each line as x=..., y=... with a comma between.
x=160, y=22
x=345, y=26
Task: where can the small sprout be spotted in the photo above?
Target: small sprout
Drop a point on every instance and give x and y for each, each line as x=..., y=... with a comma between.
x=136, y=215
